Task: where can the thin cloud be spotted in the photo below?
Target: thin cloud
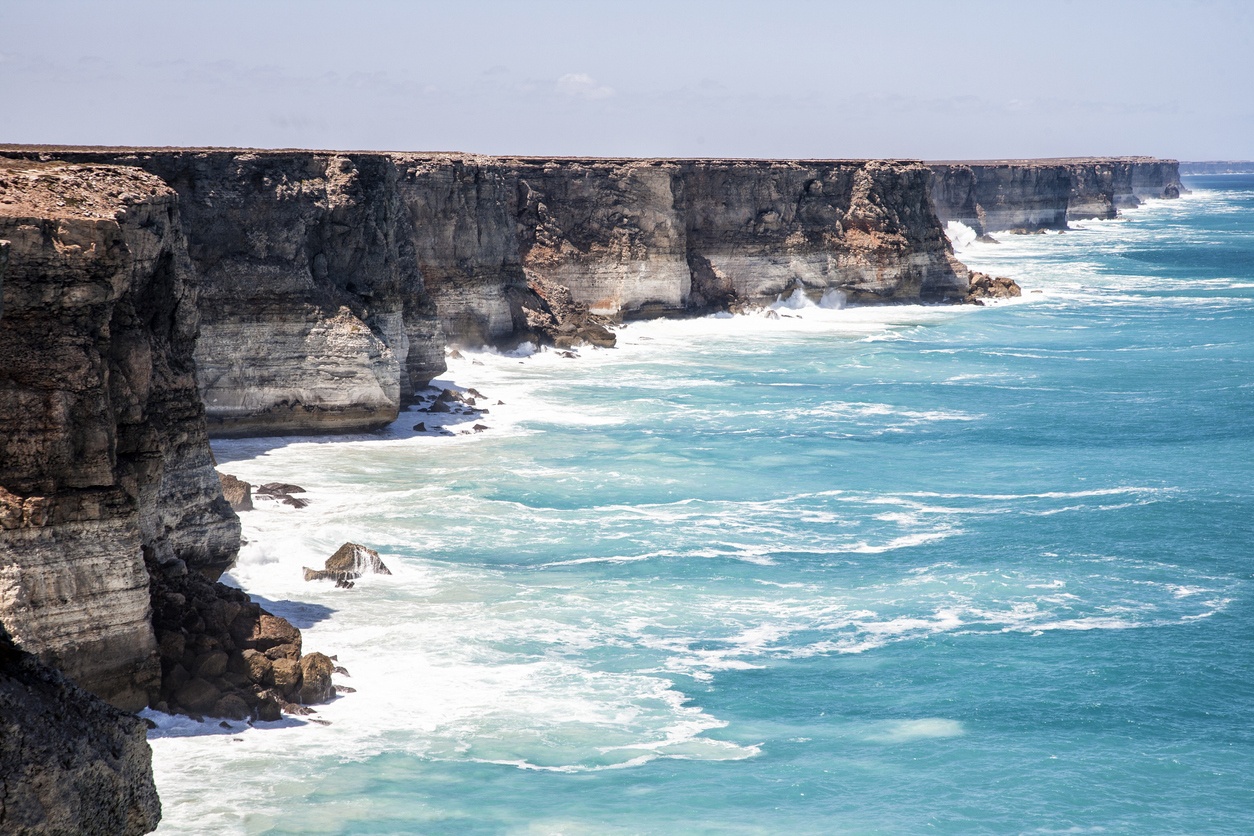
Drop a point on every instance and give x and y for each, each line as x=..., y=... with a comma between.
x=583, y=86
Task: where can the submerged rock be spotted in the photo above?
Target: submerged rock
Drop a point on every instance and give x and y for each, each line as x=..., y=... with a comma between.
x=279, y=489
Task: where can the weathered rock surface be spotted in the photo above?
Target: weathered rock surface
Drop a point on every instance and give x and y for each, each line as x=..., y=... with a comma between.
x=1044, y=194
x=349, y=562
x=103, y=451
x=984, y=286
x=69, y=762
x=237, y=492
x=524, y=248
x=331, y=281
x=311, y=293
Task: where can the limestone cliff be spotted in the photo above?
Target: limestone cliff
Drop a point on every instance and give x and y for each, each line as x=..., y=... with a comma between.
x=69, y=763
x=635, y=238
x=331, y=281
x=310, y=295
x=103, y=449
x=1044, y=194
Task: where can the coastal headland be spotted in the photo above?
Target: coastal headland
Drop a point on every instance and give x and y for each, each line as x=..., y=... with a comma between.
x=153, y=298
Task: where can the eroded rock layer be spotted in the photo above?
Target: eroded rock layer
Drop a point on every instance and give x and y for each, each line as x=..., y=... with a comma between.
x=636, y=238
x=1027, y=195
x=332, y=281
x=103, y=450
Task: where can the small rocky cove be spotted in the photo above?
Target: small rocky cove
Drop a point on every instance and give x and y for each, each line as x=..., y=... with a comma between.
x=153, y=298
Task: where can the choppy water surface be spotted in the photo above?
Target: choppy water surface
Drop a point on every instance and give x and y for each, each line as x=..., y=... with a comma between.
x=893, y=569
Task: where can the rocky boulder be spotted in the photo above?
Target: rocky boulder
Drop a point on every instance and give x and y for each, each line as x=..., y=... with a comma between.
x=349, y=562
x=223, y=655
x=553, y=317
x=984, y=286
x=237, y=492
x=316, y=685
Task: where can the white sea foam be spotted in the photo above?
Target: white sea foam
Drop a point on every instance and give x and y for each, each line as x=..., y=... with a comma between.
x=905, y=731
x=528, y=627
x=960, y=235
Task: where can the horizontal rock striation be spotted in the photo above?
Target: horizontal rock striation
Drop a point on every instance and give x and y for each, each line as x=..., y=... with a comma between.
x=1027, y=195
x=331, y=282
x=103, y=451
x=311, y=297
x=638, y=238
x=69, y=762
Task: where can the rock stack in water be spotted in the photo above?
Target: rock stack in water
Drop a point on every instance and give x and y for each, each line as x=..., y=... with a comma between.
x=222, y=655
x=349, y=563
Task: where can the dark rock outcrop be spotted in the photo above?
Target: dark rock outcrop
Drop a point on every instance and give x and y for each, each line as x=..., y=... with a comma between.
x=984, y=286
x=222, y=655
x=1044, y=194
x=69, y=762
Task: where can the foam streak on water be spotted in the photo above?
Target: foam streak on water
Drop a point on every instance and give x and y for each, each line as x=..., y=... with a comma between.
x=824, y=570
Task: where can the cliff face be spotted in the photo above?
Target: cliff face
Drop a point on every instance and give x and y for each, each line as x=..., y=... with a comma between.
x=69, y=763
x=865, y=229
x=1045, y=194
x=313, y=313
x=633, y=238
x=103, y=449
x=331, y=282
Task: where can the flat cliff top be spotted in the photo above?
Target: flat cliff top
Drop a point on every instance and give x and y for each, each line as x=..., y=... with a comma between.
x=1052, y=161
x=59, y=190
x=115, y=150
x=50, y=152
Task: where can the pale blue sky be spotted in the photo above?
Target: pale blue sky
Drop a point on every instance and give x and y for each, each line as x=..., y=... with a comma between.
x=776, y=78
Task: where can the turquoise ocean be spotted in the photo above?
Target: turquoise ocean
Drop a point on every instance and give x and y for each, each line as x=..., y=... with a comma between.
x=865, y=570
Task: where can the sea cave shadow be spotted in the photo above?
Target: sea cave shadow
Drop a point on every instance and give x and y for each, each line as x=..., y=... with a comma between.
x=229, y=449
x=177, y=725
x=301, y=614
